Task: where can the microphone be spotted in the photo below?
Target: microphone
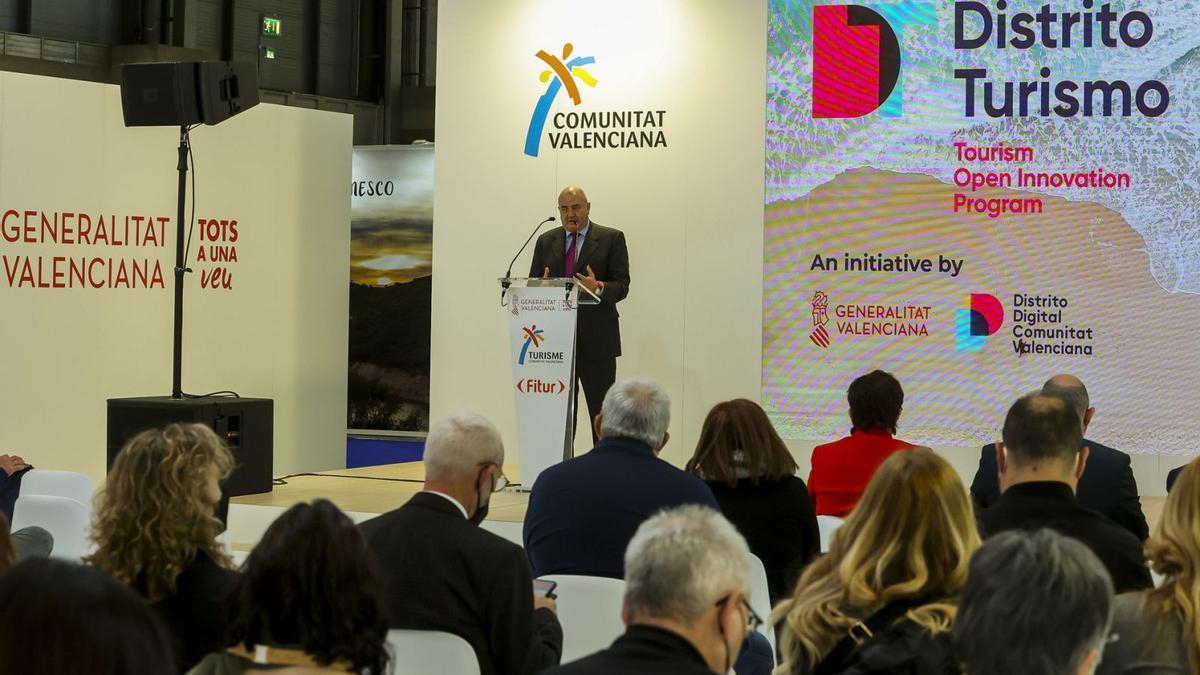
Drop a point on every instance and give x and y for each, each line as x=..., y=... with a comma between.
x=508, y=272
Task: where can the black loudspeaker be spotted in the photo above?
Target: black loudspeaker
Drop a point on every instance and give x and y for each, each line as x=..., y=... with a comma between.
x=159, y=94
x=182, y=94
x=226, y=89
x=246, y=424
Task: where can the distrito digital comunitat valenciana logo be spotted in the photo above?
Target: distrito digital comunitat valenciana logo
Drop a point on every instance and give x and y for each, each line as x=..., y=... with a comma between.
x=856, y=61
x=979, y=320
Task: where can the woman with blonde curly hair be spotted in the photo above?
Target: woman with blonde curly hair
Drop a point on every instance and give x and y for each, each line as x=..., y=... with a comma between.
x=1158, y=631
x=154, y=529
x=883, y=599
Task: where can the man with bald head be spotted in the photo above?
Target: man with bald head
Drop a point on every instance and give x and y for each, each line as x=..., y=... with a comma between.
x=1107, y=485
x=1040, y=462
x=597, y=258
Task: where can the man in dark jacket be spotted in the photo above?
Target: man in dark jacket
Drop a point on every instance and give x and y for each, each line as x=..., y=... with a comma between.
x=1040, y=462
x=686, y=610
x=598, y=259
x=583, y=512
x=445, y=573
x=1106, y=487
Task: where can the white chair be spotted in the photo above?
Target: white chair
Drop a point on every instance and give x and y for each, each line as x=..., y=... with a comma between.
x=59, y=484
x=760, y=596
x=589, y=609
x=827, y=525
x=65, y=519
x=510, y=531
x=421, y=652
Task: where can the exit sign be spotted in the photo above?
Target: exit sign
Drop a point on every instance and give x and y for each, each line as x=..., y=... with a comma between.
x=272, y=26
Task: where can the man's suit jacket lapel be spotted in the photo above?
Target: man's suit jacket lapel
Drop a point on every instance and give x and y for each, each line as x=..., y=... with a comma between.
x=557, y=256
x=589, y=247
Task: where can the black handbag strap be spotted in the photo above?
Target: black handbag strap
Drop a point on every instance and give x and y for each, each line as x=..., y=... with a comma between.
x=862, y=632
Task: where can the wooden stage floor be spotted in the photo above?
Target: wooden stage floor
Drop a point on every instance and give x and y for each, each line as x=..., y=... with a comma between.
x=378, y=489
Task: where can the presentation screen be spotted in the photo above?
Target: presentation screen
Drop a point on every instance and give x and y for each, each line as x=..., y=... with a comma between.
x=975, y=196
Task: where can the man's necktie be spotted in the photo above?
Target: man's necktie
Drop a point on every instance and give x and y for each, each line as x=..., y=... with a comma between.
x=570, y=262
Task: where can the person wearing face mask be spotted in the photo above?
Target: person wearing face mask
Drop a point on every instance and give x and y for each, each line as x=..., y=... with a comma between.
x=686, y=607
x=442, y=572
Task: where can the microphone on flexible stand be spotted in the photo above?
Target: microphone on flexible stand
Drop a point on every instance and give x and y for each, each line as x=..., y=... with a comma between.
x=505, y=282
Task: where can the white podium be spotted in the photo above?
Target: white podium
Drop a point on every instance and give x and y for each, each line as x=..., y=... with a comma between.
x=541, y=323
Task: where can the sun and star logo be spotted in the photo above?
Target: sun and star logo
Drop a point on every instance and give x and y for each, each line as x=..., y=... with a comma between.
x=561, y=75
x=534, y=337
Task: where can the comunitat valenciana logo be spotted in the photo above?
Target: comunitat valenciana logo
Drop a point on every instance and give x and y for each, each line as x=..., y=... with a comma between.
x=979, y=320
x=561, y=75
x=635, y=125
x=856, y=62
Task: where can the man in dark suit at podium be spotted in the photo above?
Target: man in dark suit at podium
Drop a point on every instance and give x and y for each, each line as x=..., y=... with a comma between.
x=1107, y=485
x=596, y=257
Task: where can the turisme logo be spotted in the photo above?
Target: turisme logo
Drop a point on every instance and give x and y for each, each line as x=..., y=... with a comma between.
x=530, y=352
x=981, y=319
x=533, y=338
x=561, y=75
x=856, y=61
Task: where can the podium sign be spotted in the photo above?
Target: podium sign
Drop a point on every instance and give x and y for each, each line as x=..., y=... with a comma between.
x=541, y=324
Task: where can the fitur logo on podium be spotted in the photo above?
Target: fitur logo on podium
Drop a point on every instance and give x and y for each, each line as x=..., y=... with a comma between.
x=629, y=128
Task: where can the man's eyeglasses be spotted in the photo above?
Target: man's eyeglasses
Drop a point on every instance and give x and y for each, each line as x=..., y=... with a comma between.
x=501, y=480
x=753, y=620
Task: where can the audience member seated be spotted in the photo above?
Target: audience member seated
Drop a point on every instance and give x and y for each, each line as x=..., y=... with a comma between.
x=883, y=599
x=30, y=542
x=12, y=470
x=309, y=597
x=154, y=528
x=1158, y=631
x=686, y=608
x=1036, y=604
x=1040, y=462
x=1107, y=485
x=1172, y=476
x=60, y=617
x=443, y=572
x=841, y=470
x=583, y=512
x=752, y=475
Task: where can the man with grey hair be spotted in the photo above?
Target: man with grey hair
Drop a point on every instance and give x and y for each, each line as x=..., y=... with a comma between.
x=583, y=512
x=443, y=572
x=1035, y=603
x=686, y=607
x=1107, y=486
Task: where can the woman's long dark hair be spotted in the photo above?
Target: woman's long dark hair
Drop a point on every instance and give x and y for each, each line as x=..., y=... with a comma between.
x=62, y=617
x=310, y=583
x=738, y=434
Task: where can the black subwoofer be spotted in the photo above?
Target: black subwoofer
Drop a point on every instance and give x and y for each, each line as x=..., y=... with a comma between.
x=246, y=424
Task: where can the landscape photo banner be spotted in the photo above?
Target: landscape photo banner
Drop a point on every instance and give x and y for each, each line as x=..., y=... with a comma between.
x=391, y=266
x=975, y=196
